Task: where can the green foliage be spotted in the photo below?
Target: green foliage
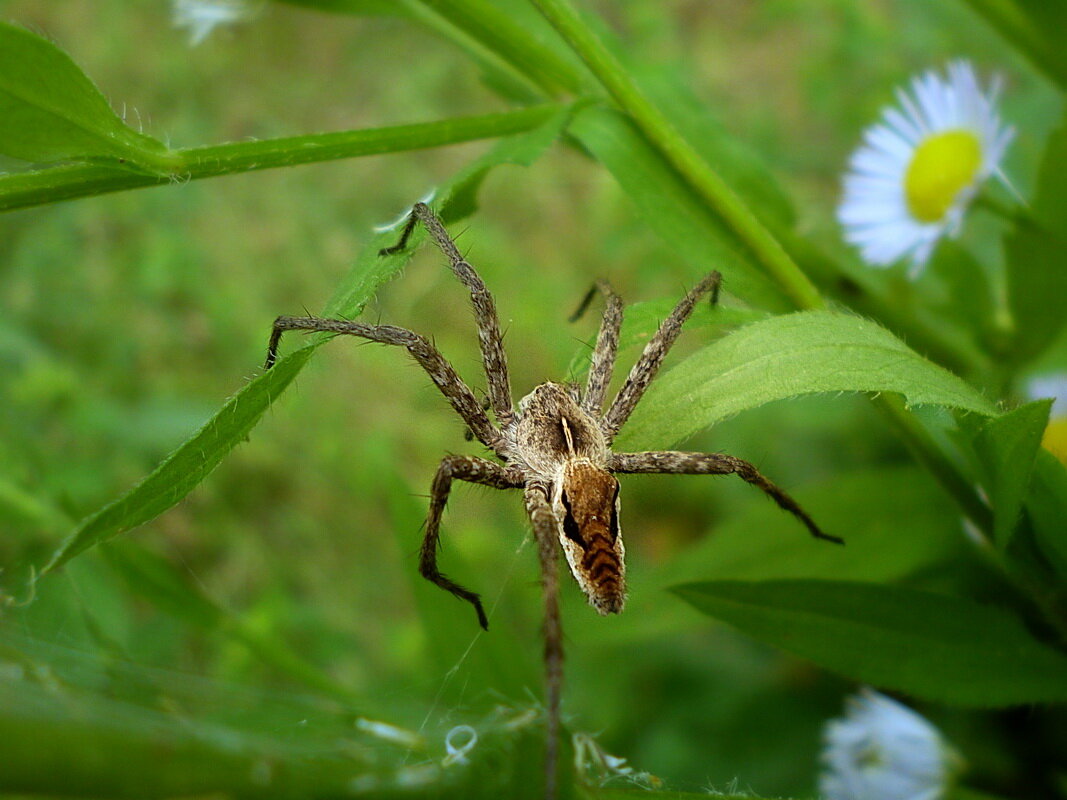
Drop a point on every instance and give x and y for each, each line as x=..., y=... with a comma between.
x=667, y=144
x=670, y=207
x=58, y=733
x=928, y=645
x=1037, y=281
x=1031, y=26
x=865, y=508
x=786, y=356
x=1006, y=448
x=52, y=112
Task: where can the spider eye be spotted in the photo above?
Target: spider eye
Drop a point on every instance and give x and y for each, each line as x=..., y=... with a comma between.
x=570, y=525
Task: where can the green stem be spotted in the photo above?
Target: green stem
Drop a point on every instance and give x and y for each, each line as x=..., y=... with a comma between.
x=510, y=43
x=662, y=134
x=1016, y=215
x=927, y=452
x=69, y=181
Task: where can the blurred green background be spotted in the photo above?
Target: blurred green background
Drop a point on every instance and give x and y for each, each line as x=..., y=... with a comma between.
x=128, y=319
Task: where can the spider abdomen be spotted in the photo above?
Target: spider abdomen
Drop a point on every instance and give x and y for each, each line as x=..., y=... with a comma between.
x=586, y=504
x=603, y=571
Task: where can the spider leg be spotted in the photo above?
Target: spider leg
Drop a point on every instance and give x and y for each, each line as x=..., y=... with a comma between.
x=440, y=371
x=655, y=351
x=543, y=521
x=677, y=463
x=489, y=336
x=607, y=346
x=464, y=468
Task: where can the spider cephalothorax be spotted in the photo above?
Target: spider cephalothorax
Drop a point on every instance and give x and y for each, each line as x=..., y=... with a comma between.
x=556, y=447
x=554, y=441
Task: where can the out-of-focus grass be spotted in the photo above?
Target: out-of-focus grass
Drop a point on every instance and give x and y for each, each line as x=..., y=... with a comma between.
x=127, y=320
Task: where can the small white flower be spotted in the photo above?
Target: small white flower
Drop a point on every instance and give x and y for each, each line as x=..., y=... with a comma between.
x=201, y=17
x=1054, y=386
x=911, y=180
x=882, y=750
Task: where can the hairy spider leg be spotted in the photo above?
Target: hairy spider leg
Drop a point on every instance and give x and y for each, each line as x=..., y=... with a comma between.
x=607, y=346
x=437, y=367
x=489, y=337
x=673, y=462
x=473, y=470
x=652, y=357
x=543, y=522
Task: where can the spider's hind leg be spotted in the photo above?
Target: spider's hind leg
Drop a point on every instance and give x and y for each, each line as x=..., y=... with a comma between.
x=464, y=468
x=672, y=462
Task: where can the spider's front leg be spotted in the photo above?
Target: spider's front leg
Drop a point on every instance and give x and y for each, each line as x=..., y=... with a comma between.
x=672, y=462
x=430, y=359
x=489, y=336
x=543, y=521
x=607, y=346
x=652, y=356
x=472, y=470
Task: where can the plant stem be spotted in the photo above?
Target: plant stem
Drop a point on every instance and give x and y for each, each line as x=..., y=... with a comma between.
x=509, y=42
x=927, y=452
x=662, y=134
x=69, y=181
x=1016, y=215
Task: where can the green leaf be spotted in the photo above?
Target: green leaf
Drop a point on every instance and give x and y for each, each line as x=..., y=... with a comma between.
x=1006, y=447
x=194, y=460
x=928, y=645
x=1035, y=251
x=50, y=111
x=1046, y=510
x=670, y=207
x=787, y=356
x=157, y=580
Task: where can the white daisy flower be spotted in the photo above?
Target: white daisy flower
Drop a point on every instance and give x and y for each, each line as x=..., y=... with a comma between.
x=201, y=17
x=882, y=750
x=911, y=180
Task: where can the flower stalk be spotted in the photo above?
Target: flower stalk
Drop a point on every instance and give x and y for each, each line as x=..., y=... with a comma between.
x=681, y=155
x=70, y=181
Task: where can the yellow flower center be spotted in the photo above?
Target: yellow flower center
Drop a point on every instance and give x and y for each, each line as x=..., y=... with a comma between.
x=941, y=166
x=1055, y=438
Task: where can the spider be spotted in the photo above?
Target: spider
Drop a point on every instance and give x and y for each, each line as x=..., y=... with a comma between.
x=556, y=448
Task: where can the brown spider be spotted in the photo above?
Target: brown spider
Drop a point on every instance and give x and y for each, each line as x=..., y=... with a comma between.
x=556, y=447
